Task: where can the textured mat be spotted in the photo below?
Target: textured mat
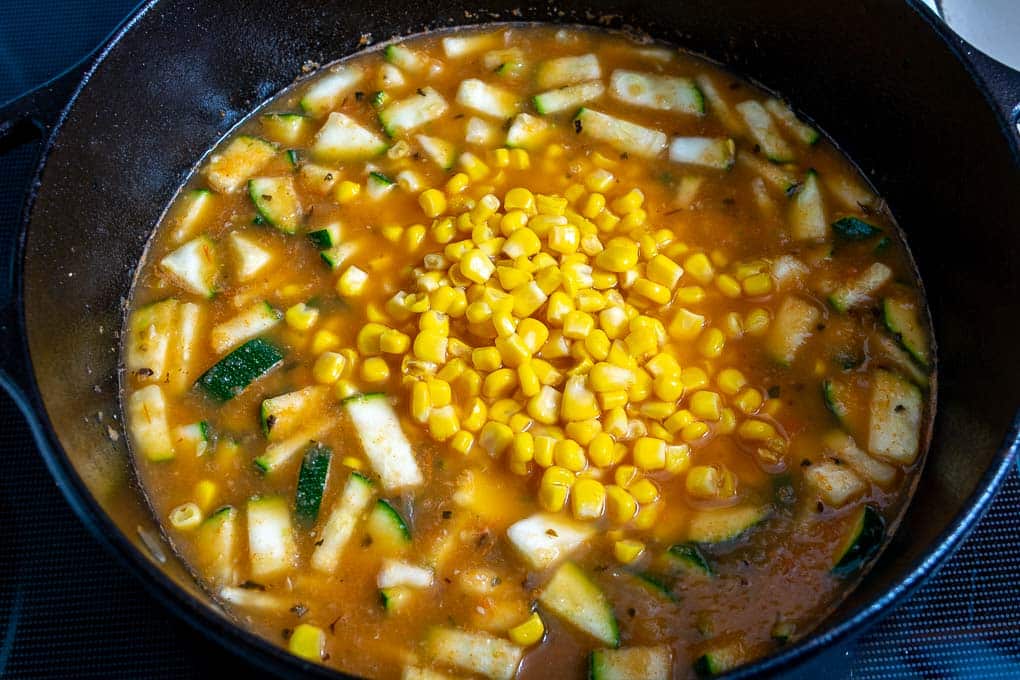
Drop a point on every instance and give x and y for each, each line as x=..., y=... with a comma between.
x=68, y=610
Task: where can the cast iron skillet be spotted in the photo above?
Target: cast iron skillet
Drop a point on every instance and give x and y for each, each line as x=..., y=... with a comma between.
x=930, y=122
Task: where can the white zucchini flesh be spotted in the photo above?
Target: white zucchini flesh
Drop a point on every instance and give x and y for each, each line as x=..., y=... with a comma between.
x=526, y=132
x=568, y=98
x=631, y=663
x=787, y=270
x=544, y=539
x=439, y=150
x=271, y=547
x=687, y=190
x=148, y=424
x=197, y=206
x=410, y=181
x=479, y=132
x=710, y=152
x=396, y=573
x=774, y=175
x=420, y=108
x=277, y=202
x=788, y=119
x=254, y=599
x=418, y=673
x=650, y=91
x=190, y=318
x=808, y=221
x=764, y=132
x=286, y=128
x=896, y=408
x=216, y=545
x=715, y=105
x=249, y=257
x=574, y=597
x=230, y=169
x=192, y=438
x=285, y=413
x=842, y=446
x=151, y=330
x=317, y=178
x=325, y=92
x=861, y=289
x=343, y=139
x=567, y=71
x=622, y=135
x=794, y=323
x=493, y=101
x=456, y=47
x=193, y=266
x=281, y=451
x=378, y=185
x=339, y=527
x=405, y=59
x=255, y=320
x=384, y=441
x=474, y=652
x=835, y=484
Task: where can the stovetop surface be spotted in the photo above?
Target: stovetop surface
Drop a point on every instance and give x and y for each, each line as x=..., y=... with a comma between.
x=67, y=609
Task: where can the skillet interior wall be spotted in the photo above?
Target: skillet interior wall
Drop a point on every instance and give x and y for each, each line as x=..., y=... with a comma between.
x=872, y=74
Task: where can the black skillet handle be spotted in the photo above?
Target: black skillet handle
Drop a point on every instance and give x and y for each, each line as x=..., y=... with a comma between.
x=1002, y=82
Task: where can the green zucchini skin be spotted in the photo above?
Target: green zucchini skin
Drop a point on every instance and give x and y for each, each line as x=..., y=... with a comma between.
x=854, y=229
x=865, y=539
x=234, y=372
x=689, y=558
x=312, y=482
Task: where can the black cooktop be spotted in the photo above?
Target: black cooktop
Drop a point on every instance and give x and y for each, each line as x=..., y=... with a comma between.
x=67, y=609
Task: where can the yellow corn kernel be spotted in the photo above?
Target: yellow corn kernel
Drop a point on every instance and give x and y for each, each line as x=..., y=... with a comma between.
x=686, y=325
x=430, y=345
x=301, y=317
x=476, y=266
x=473, y=166
x=544, y=449
x=625, y=475
x=501, y=157
x=324, y=340
x=694, y=378
x=655, y=292
x=545, y=406
x=678, y=457
x=709, y=481
x=612, y=399
x=499, y=384
x=588, y=499
x=502, y=409
x=757, y=285
x=662, y=364
x=730, y=381
x=532, y=630
x=375, y=370
x=456, y=184
x=663, y=271
x=462, y=442
x=668, y=387
x=593, y=205
x=614, y=322
x=414, y=236
x=628, y=551
x=519, y=159
x=495, y=438
x=606, y=377
x=657, y=410
x=352, y=282
x=443, y=423
x=554, y=488
x=551, y=205
x=711, y=343
x=748, y=401
x=556, y=347
x=522, y=449
x=475, y=415
x=756, y=430
x=620, y=255
x=521, y=422
x=478, y=312
x=728, y=286
x=727, y=422
x=560, y=305
x=346, y=191
x=421, y=404
x=393, y=342
x=644, y=491
x=658, y=431
x=329, y=367
x=629, y=202
x=620, y=504
x=600, y=180
x=564, y=238
x=344, y=388
x=523, y=242
x=577, y=325
x=440, y=392
x=699, y=267
x=569, y=454
x=527, y=299
x=369, y=338
x=512, y=350
x=352, y=463
x=583, y=431
x=694, y=432
x=600, y=450
x=756, y=321
x=533, y=334
x=647, y=516
x=519, y=198
x=649, y=453
x=689, y=295
x=772, y=406
x=308, y=642
x=205, y=494
x=546, y=372
x=705, y=405
x=432, y=202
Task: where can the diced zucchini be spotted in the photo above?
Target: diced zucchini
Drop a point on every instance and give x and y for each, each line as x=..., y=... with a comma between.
x=192, y=438
x=439, y=150
x=783, y=631
x=317, y=178
x=567, y=71
x=861, y=289
x=663, y=93
x=849, y=192
x=687, y=190
x=854, y=229
x=293, y=157
x=805, y=134
x=807, y=211
x=569, y=98
x=526, y=132
x=622, y=135
x=405, y=59
x=249, y=257
x=774, y=175
x=254, y=598
x=835, y=484
x=378, y=185
x=280, y=452
x=717, y=106
x=311, y=484
x=387, y=528
x=425, y=106
x=544, y=539
x=654, y=586
x=384, y=441
x=794, y=323
x=787, y=270
x=336, y=256
x=479, y=132
x=410, y=181
x=325, y=237
x=283, y=414
x=347, y=512
x=725, y=524
x=862, y=541
x=843, y=447
x=474, y=652
x=456, y=46
x=288, y=129
x=395, y=574
x=764, y=132
x=254, y=320
x=277, y=202
x=325, y=91
x=720, y=659
x=631, y=663
x=488, y=99
x=903, y=319
x=216, y=545
x=231, y=168
x=837, y=396
x=342, y=139
x=896, y=410
x=193, y=266
x=709, y=152
x=185, y=347
x=193, y=210
x=146, y=411
x=394, y=599
x=574, y=597
x=150, y=331
x=508, y=63
x=687, y=557
x=234, y=372
x=888, y=352
x=271, y=547
x=390, y=78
